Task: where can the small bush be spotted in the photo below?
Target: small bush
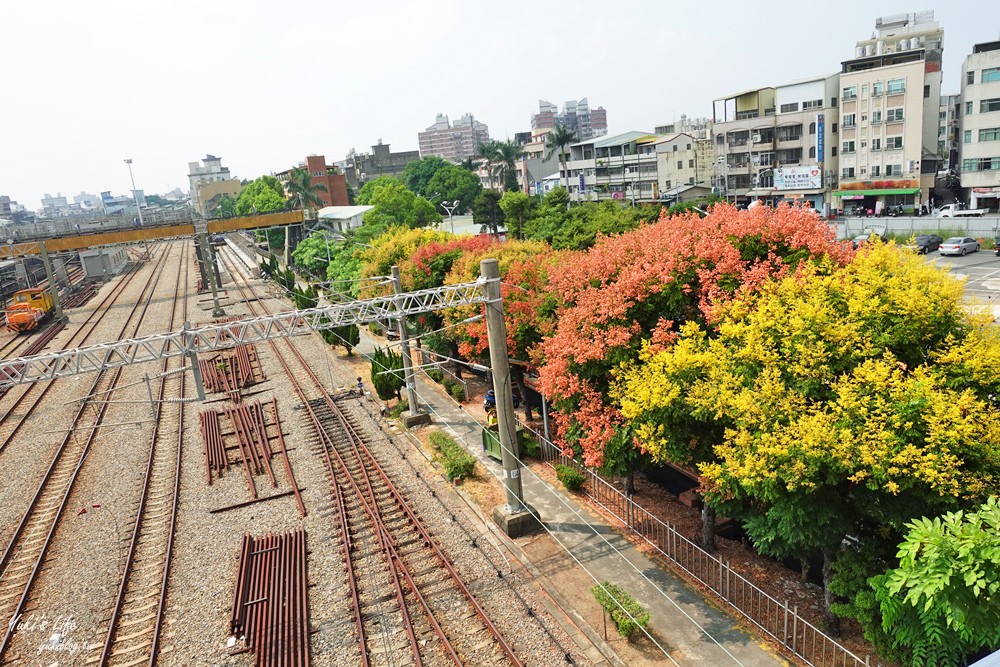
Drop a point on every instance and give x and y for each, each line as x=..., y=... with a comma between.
x=627, y=614
x=570, y=477
x=531, y=447
x=436, y=374
x=399, y=409
x=457, y=392
x=448, y=383
x=457, y=462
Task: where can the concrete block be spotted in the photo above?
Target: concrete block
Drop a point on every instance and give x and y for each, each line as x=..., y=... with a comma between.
x=410, y=420
x=515, y=524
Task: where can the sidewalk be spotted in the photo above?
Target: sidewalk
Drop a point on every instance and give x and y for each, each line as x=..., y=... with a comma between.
x=690, y=629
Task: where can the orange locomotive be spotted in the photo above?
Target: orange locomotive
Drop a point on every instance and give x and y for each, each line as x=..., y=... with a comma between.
x=28, y=309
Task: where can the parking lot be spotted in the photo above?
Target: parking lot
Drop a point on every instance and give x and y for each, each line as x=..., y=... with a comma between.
x=981, y=271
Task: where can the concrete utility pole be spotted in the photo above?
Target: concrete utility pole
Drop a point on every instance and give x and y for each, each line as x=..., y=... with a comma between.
x=53, y=285
x=415, y=417
x=205, y=255
x=514, y=518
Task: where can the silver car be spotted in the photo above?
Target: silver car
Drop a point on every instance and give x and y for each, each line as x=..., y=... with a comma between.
x=959, y=245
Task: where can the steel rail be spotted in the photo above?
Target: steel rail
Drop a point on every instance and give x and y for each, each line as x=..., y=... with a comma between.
x=92, y=435
x=109, y=639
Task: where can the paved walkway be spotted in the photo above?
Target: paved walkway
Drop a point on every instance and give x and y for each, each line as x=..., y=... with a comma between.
x=692, y=631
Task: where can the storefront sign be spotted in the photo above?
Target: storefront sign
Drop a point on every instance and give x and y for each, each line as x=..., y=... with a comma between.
x=798, y=178
x=901, y=184
x=986, y=191
x=819, y=138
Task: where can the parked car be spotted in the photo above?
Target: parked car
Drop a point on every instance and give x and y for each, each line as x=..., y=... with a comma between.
x=959, y=245
x=925, y=244
x=862, y=239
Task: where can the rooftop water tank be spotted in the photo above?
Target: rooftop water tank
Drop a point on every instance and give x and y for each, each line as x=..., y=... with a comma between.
x=879, y=47
x=870, y=50
x=859, y=52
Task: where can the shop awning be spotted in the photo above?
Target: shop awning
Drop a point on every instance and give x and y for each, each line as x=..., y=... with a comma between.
x=876, y=193
x=796, y=193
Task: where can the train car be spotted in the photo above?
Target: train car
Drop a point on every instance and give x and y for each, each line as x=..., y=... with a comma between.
x=28, y=309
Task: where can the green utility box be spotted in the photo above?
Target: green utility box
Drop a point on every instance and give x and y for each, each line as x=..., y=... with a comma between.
x=491, y=441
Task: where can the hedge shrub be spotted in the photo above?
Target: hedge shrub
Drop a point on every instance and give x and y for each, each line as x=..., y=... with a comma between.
x=627, y=614
x=457, y=462
x=457, y=392
x=570, y=477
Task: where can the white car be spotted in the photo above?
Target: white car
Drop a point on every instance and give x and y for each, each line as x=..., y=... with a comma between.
x=959, y=245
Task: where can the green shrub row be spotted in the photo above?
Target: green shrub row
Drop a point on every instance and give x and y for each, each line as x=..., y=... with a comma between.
x=457, y=462
x=627, y=614
x=399, y=409
x=570, y=477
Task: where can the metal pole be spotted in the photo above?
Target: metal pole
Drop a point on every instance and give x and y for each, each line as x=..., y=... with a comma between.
x=545, y=418
x=497, y=331
x=210, y=271
x=53, y=287
x=199, y=386
x=135, y=197
x=404, y=340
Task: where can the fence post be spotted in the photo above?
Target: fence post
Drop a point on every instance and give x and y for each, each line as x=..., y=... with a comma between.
x=720, y=575
x=795, y=627
x=784, y=632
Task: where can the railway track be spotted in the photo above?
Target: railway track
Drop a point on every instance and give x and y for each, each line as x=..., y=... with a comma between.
x=406, y=596
x=24, y=556
x=135, y=628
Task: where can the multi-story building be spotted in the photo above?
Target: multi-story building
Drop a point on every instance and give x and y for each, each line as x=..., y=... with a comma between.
x=361, y=167
x=53, y=207
x=86, y=201
x=454, y=142
x=771, y=143
x=622, y=166
x=209, y=182
x=948, y=137
x=890, y=105
x=677, y=162
x=699, y=128
x=576, y=115
x=334, y=190
x=979, y=125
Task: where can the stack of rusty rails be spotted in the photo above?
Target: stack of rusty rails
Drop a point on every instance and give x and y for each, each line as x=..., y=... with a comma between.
x=80, y=297
x=270, y=611
x=37, y=345
x=215, y=446
x=247, y=420
x=232, y=371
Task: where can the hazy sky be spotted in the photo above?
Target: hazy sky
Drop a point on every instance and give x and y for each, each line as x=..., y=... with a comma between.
x=263, y=84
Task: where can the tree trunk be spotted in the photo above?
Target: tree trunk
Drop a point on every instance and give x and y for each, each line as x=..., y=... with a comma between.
x=519, y=381
x=630, y=481
x=707, y=527
x=804, y=565
x=832, y=621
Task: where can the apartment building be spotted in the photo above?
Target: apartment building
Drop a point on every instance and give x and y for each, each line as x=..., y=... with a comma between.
x=979, y=125
x=334, y=191
x=454, y=142
x=361, y=167
x=209, y=182
x=676, y=164
x=889, y=115
x=622, y=166
x=576, y=114
x=948, y=133
x=699, y=128
x=771, y=143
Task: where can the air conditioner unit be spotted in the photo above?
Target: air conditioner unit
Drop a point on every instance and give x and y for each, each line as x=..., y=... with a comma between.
x=755, y=138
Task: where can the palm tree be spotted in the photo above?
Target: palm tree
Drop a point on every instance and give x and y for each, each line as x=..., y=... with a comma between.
x=302, y=192
x=489, y=153
x=556, y=141
x=508, y=153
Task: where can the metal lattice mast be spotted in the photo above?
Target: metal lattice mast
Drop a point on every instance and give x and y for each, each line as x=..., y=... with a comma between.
x=213, y=337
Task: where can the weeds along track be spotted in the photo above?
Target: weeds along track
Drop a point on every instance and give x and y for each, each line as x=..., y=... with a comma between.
x=25, y=553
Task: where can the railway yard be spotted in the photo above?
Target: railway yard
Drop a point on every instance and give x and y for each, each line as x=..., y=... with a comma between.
x=274, y=523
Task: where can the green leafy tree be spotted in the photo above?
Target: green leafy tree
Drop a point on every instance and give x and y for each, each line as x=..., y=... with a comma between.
x=517, y=208
x=302, y=192
x=942, y=603
x=372, y=186
x=490, y=154
x=346, y=337
x=387, y=373
x=395, y=205
x=556, y=142
x=452, y=183
x=508, y=153
x=311, y=254
x=305, y=298
x=418, y=174
x=226, y=208
x=486, y=212
x=263, y=195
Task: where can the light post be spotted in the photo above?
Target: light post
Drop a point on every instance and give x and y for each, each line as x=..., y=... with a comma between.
x=450, y=207
x=135, y=198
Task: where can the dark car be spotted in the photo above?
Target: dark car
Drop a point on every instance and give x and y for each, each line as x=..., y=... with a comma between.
x=862, y=239
x=925, y=244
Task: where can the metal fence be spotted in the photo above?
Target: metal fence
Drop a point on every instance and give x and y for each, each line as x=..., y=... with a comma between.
x=984, y=228
x=776, y=618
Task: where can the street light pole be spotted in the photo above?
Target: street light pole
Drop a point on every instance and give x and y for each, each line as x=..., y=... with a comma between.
x=450, y=207
x=135, y=198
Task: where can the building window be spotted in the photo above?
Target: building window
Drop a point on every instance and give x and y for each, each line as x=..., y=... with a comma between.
x=680, y=164
x=847, y=172
x=877, y=89
x=812, y=128
x=895, y=86
x=927, y=92
x=875, y=170
x=675, y=148
x=833, y=152
x=848, y=147
x=989, y=134
x=894, y=115
x=833, y=128
x=989, y=105
x=981, y=164
x=788, y=108
x=893, y=143
x=688, y=147
x=851, y=93
x=690, y=164
x=812, y=152
x=863, y=171
x=968, y=136
x=813, y=104
x=864, y=90
x=893, y=170
x=833, y=102
x=847, y=119
x=991, y=74
x=876, y=144
x=968, y=108
x=877, y=117
x=970, y=77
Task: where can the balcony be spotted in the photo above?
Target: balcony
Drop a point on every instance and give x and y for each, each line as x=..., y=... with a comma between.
x=790, y=137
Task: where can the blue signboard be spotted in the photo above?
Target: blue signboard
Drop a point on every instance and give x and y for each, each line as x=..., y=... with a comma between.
x=582, y=186
x=819, y=138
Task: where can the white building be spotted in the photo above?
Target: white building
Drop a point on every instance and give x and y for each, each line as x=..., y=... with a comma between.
x=979, y=126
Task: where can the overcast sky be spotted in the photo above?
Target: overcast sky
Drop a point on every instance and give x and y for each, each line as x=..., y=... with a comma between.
x=263, y=84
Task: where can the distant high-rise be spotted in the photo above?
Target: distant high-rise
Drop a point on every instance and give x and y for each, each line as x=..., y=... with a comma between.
x=209, y=182
x=453, y=141
x=576, y=115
